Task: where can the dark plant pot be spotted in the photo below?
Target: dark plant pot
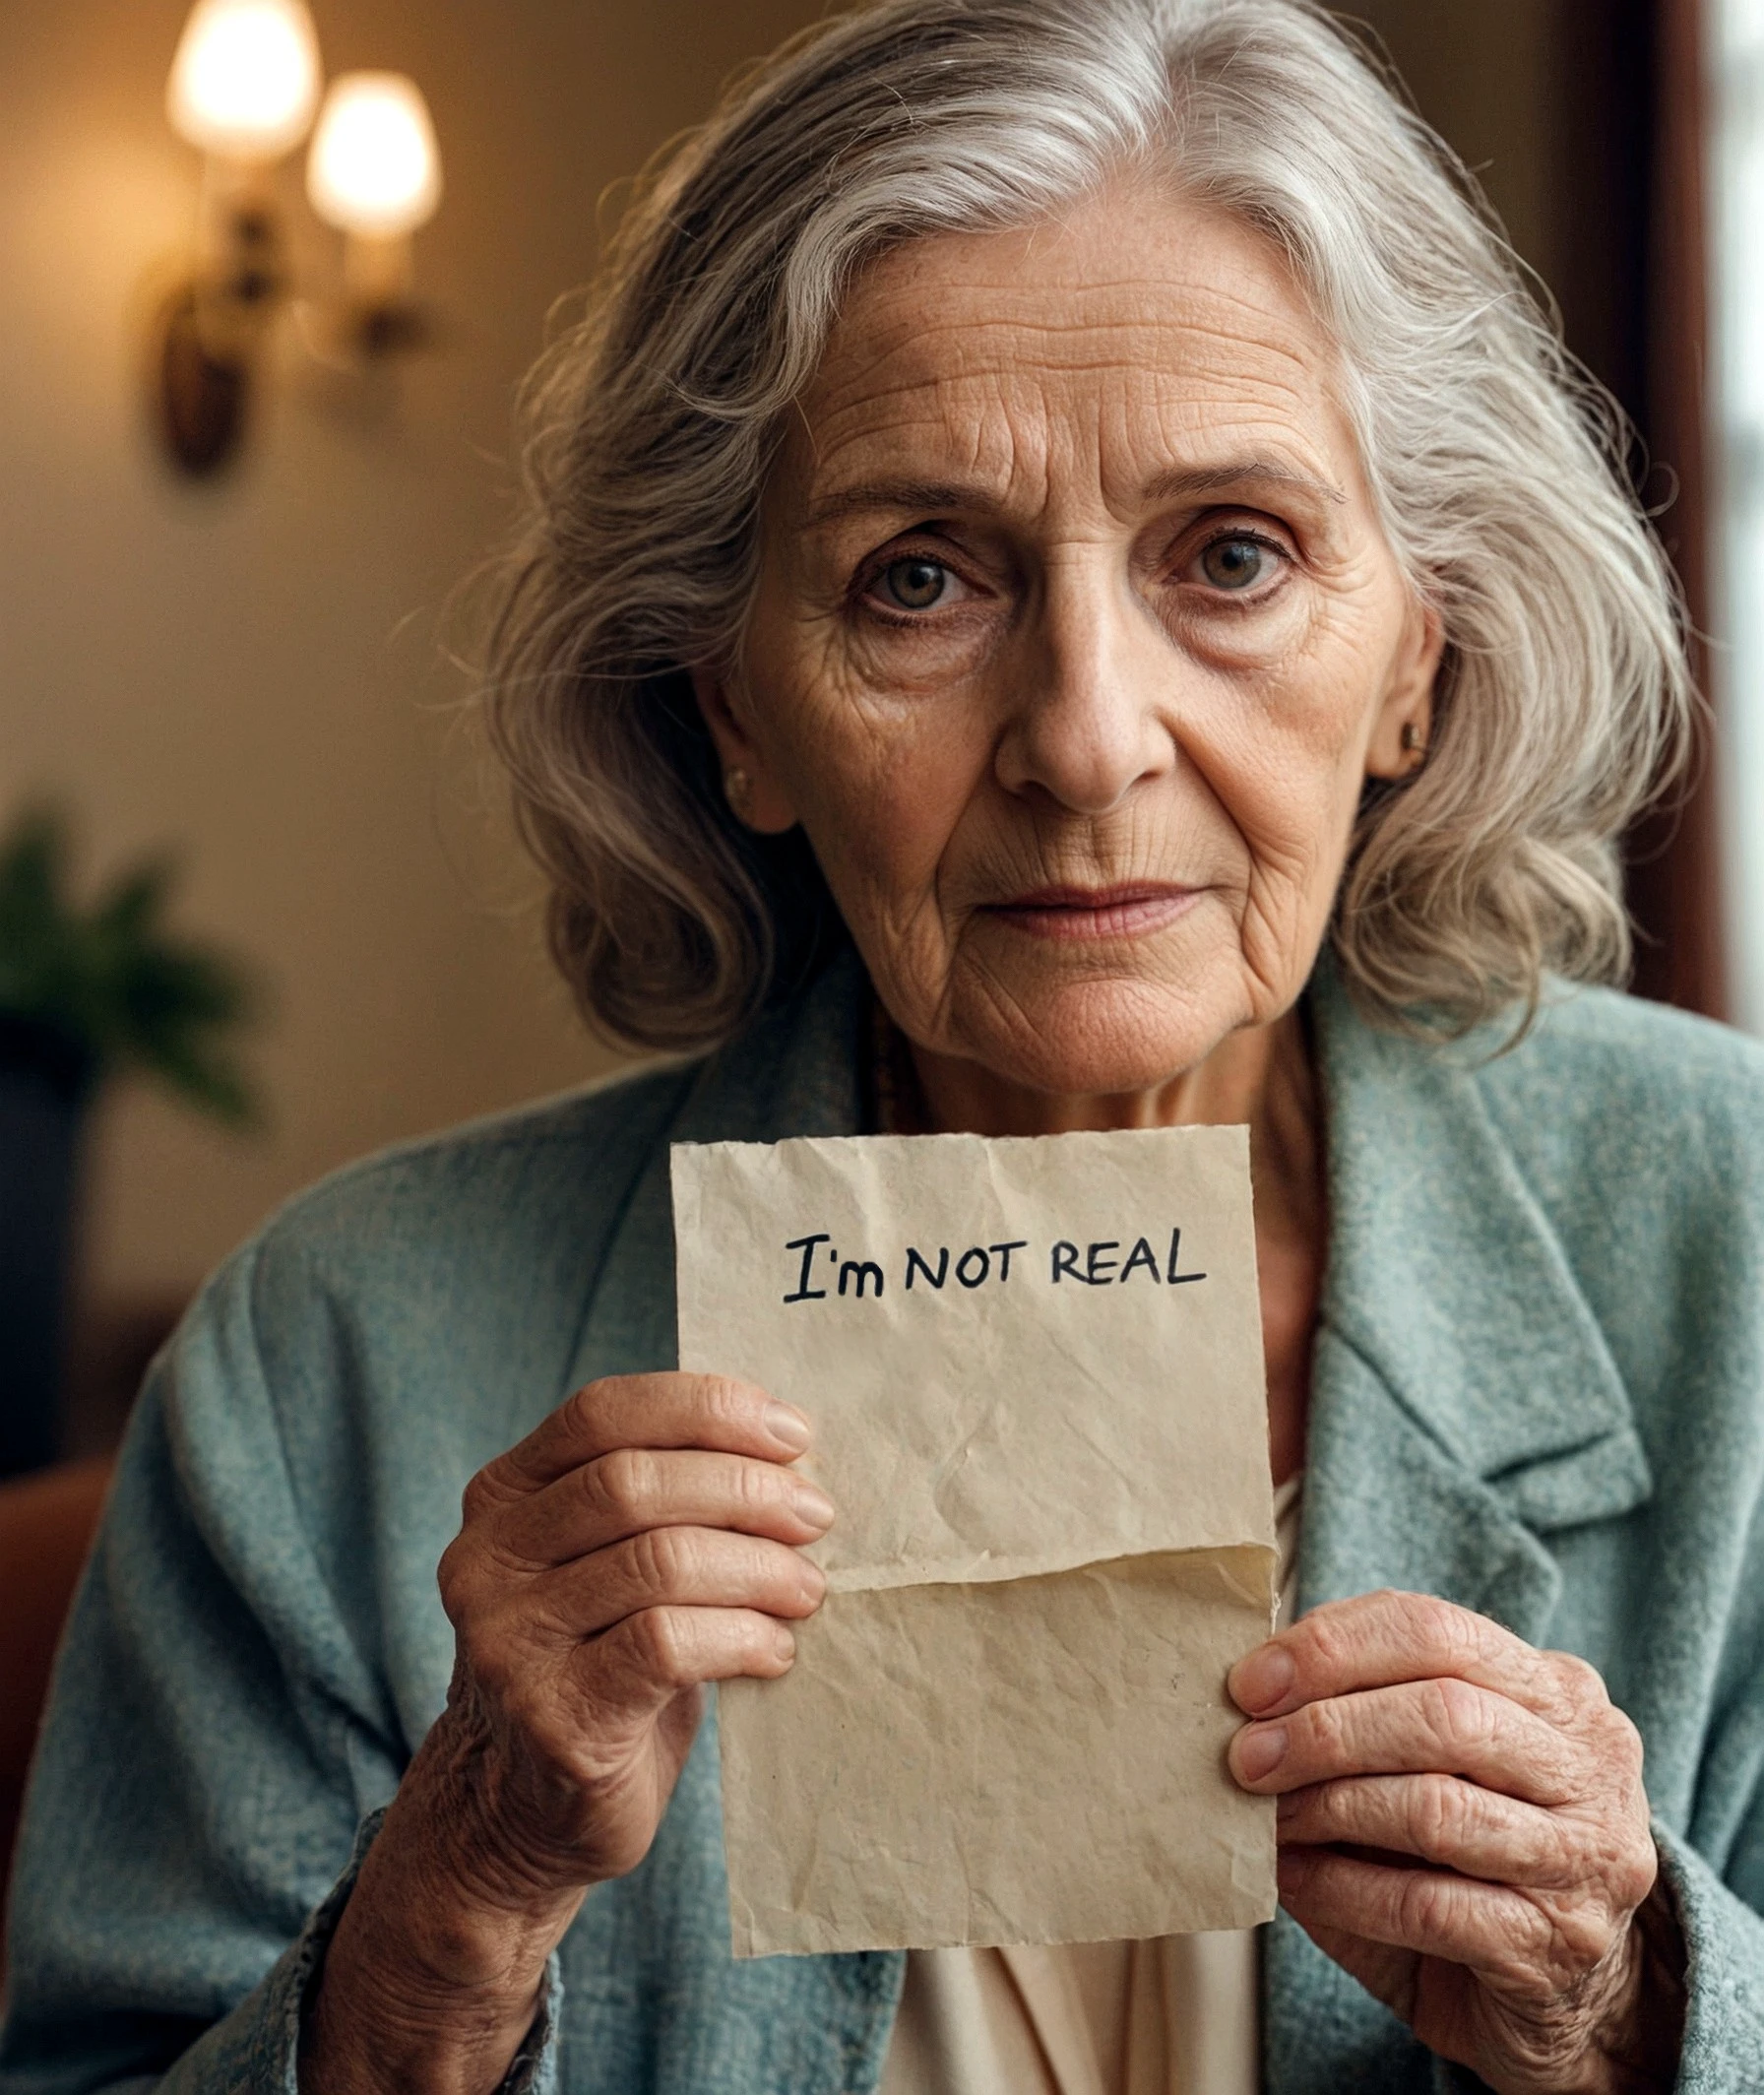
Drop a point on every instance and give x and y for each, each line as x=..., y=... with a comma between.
x=46, y=1083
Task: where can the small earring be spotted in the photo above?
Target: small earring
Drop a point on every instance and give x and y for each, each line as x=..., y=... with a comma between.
x=1415, y=743
x=736, y=786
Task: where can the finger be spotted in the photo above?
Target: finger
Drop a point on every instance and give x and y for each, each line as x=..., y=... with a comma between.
x=632, y=1489
x=645, y=1661
x=1380, y=1639
x=676, y=1567
x=1431, y=1913
x=1388, y=1973
x=1446, y=1820
x=656, y=1410
x=1443, y=1726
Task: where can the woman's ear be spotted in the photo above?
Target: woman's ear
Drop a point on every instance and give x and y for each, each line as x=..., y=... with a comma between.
x=754, y=792
x=1405, y=724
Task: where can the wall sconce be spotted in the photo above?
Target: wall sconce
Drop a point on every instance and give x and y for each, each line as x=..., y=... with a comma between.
x=375, y=175
x=243, y=89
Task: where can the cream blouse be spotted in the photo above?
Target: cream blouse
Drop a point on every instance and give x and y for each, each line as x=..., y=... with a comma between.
x=1175, y=2016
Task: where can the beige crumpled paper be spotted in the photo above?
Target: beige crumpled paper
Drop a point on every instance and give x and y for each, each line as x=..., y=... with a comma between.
x=1034, y=1370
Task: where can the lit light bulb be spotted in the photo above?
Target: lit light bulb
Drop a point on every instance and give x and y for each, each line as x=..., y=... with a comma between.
x=374, y=169
x=245, y=80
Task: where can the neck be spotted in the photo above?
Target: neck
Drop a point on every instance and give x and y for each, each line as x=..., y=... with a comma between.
x=1261, y=1077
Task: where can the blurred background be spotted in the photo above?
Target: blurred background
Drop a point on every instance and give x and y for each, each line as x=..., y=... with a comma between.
x=237, y=661
x=259, y=909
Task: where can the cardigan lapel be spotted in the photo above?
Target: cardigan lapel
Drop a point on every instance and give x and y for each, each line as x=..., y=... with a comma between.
x=1463, y=1399
x=1464, y=1404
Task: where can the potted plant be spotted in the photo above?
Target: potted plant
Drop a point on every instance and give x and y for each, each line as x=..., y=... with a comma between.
x=86, y=993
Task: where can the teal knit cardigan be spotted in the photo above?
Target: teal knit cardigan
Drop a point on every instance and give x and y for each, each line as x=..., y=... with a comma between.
x=1539, y=1390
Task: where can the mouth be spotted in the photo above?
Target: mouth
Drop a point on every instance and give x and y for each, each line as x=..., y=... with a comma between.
x=1129, y=910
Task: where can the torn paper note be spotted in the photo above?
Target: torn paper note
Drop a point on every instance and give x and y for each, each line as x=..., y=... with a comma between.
x=1035, y=1372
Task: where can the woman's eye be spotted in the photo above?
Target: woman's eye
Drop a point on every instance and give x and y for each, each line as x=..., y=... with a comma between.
x=1236, y=564
x=914, y=584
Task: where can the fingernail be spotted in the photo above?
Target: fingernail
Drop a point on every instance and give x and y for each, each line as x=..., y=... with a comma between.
x=812, y=1579
x=1261, y=1753
x=1260, y=1681
x=783, y=1643
x=811, y=1504
x=1286, y=1806
x=1292, y=1869
x=786, y=1425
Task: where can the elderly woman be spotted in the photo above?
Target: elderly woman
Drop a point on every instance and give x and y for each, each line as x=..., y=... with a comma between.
x=1068, y=586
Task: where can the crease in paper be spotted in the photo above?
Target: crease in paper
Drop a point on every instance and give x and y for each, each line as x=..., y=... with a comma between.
x=1055, y=1532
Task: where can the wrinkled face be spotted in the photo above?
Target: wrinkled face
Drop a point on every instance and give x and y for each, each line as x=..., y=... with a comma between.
x=1076, y=640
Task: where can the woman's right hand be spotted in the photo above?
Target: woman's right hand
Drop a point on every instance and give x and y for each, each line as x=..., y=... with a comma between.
x=643, y=1541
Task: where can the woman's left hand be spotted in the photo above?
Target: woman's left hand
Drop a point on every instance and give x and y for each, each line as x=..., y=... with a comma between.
x=1463, y=1827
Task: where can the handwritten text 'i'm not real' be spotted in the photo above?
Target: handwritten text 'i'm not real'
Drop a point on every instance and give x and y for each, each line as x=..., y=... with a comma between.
x=1108, y=1262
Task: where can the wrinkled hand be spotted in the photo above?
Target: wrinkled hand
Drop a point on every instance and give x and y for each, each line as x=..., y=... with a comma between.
x=1463, y=1827
x=644, y=1540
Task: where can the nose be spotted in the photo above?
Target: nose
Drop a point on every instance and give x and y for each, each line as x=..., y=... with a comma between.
x=1090, y=721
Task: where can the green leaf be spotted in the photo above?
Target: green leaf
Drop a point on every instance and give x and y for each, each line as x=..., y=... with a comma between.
x=110, y=978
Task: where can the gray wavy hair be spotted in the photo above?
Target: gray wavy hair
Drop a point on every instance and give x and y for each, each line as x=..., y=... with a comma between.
x=1496, y=464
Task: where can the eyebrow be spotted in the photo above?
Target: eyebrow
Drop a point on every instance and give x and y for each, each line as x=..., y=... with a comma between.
x=1180, y=482
x=1239, y=472
x=933, y=495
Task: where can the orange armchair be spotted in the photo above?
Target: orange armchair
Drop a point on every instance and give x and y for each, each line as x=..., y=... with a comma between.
x=47, y=1526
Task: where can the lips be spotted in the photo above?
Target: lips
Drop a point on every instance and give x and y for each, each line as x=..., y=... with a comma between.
x=1129, y=910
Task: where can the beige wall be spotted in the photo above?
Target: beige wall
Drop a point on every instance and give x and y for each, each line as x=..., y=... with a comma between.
x=1484, y=71
x=250, y=671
